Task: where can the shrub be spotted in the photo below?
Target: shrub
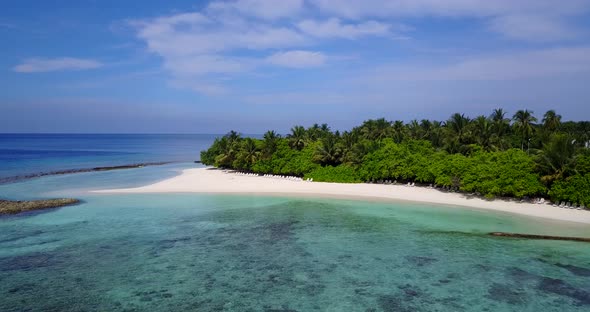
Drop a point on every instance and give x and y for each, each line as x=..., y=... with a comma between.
x=575, y=189
x=341, y=173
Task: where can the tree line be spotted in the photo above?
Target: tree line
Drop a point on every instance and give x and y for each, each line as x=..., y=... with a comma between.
x=489, y=155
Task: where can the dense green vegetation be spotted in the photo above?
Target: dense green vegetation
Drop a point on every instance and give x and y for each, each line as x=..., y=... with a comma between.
x=492, y=156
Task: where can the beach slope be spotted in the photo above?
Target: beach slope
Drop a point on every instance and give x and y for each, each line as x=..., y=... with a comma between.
x=209, y=180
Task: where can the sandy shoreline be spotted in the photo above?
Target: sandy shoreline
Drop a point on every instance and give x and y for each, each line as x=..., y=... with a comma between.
x=204, y=180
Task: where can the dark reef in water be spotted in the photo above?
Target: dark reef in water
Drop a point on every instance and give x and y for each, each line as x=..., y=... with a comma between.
x=4, y=180
x=560, y=287
x=507, y=293
x=576, y=270
x=580, y=296
x=410, y=298
x=17, y=206
x=30, y=261
x=420, y=260
x=546, y=237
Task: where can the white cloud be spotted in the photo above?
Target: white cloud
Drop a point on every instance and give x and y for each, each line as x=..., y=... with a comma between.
x=297, y=59
x=228, y=38
x=450, y=8
x=206, y=64
x=335, y=28
x=196, y=46
x=266, y=9
x=548, y=63
x=531, y=20
x=162, y=26
x=170, y=37
x=37, y=65
x=532, y=28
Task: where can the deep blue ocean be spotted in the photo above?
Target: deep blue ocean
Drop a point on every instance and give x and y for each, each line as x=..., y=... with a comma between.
x=206, y=252
x=25, y=154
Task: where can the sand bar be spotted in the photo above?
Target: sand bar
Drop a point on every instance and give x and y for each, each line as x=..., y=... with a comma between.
x=208, y=180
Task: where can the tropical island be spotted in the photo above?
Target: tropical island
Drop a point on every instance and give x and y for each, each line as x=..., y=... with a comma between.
x=494, y=156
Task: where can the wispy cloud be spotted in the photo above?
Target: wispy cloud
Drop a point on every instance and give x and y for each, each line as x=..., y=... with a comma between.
x=228, y=38
x=333, y=27
x=450, y=8
x=188, y=34
x=196, y=45
x=197, y=65
x=529, y=20
x=535, y=28
x=203, y=87
x=266, y=9
x=38, y=65
x=546, y=63
x=297, y=59
x=232, y=37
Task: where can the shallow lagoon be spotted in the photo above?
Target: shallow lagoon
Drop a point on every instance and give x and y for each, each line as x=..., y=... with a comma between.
x=247, y=253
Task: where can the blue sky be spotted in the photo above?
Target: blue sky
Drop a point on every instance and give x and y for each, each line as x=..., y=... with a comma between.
x=253, y=65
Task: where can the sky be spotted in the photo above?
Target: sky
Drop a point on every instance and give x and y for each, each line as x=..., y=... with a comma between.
x=251, y=65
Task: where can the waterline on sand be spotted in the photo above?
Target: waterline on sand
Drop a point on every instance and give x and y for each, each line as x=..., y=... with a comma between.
x=207, y=180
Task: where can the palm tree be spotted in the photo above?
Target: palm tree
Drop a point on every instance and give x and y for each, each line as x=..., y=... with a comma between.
x=349, y=139
x=498, y=115
x=297, y=137
x=483, y=131
x=415, y=130
x=223, y=155
x=426, y=126
x=314, y=132
x=324, y=130
x=584, y=135
x=376, y=129
x=328, y=152
x=500, y=128
x=350, y=142
x=436, y=133
x=229, y=146
x=399, y=131
x=452, y=144
x=524, y=124
x=501, y=124
x=248, y=154
x=551, y=121
x=458, y=124
x=556, y=159
x=233, y=136
x=269, y=144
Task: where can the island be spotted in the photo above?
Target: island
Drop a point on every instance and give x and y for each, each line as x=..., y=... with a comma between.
x=487, y=156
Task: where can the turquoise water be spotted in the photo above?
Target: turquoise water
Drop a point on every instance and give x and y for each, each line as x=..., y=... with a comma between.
x=188, y=252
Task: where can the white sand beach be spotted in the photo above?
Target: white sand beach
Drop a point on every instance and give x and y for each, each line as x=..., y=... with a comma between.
x=208, y=180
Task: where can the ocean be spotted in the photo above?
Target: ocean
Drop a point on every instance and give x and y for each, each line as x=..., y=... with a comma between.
x=199, y=252
x=26, y=154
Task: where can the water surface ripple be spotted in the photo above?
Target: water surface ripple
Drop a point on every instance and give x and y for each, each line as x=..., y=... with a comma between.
x=244, y=253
